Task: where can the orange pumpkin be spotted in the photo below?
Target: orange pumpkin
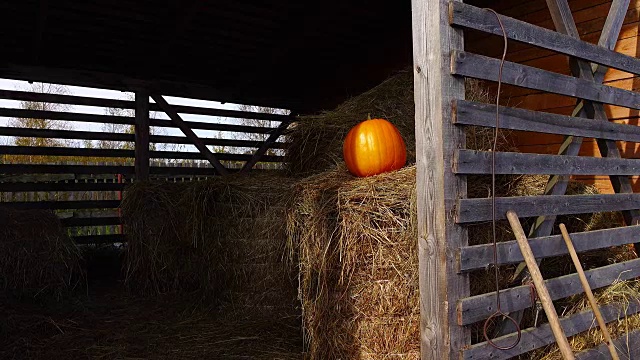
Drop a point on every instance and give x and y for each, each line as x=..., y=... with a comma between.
x=372, y=147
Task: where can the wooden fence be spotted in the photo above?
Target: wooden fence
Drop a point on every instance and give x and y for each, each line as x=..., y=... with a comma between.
x=444, y=211
x=86, y=193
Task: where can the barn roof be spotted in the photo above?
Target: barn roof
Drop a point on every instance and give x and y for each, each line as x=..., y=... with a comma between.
x=303, y=55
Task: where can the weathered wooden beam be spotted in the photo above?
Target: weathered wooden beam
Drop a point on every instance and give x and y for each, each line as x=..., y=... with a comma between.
x=96, y=135
x=562, y=41
x=62, y=205
x=257, y=156
x=477, y=308
x=65, y=169
x=479, y=162
x=487, y=68
x=189, y=134
x=142, y=135
x=437, y=186
x=128, y=154
x=476, y=210
x=480, y=114
x=59, y=186
x=534, y=338
x=481, y=256
x=124, y=120
x=557, y=184
x=126, y=104
x=111, y=81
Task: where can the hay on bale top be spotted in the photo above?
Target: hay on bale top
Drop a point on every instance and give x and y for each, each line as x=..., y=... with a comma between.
x=37, y=257
x=315, y=142
x=221, y=238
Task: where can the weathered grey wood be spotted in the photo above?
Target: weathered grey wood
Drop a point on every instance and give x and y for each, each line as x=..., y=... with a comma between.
x=142, y=135
x=626, y=344
x=67, y=116
x=480, y=114
x=126, y=104
x=479, y=162
x=65, y=169
x=257, y=156
x=534, y=338
x=80, y=204
x=437, y=186
x=486, y=68
x=95, y=135
x=541, y=288
x=190, y=134
x=557, y=184
x=475, y=210
x=125, y=120
x=475, y=18
x=480, y=307
x=481, y=256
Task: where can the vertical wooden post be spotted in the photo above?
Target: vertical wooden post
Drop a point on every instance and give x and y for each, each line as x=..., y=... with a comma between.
x=142, y=135
x=438, y=189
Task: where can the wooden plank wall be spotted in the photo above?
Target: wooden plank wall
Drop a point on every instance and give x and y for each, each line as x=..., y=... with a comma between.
x=84, y=185
x=589, y=16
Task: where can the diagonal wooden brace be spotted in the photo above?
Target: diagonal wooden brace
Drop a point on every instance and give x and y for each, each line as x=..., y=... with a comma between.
x=186, y=130
x=265, y=146
x=557, y=184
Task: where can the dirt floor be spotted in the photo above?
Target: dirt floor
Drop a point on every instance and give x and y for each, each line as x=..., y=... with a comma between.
x=106, y=322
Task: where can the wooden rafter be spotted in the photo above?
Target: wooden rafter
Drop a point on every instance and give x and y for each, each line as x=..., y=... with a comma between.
x=41, y=26
x=186, y=130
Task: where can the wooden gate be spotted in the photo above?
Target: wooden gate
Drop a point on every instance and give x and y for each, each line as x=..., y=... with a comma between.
x=444, y=212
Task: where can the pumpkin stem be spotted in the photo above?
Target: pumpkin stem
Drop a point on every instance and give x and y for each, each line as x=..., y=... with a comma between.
x=368, y=116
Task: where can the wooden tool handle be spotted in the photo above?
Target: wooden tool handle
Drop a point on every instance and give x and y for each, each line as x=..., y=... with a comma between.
x=587, y=290
x=543, y=293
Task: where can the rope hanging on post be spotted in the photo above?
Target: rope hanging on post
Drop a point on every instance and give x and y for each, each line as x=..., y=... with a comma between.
x=499, y=312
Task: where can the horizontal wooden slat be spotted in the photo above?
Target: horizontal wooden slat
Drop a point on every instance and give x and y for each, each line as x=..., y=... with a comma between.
x=95, y=135
x=534, y=338
x=90, y=221
x=476, y=210
x=99, y=239
x=60, y=186
x=486, y=68
x=125, y=104
x=481, y=256
x=479, y=307
x=118, y=153
x=479, y=162
x=65, y=169
x=479, y=114
x=124, y=120
x=67, y=116
x=626, y=345
x=479, y=19
x=62, y=205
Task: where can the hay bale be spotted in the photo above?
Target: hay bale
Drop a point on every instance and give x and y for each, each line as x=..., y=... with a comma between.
x=315, y=142
x=222, y=238
x=36, y=256
x=355, y=239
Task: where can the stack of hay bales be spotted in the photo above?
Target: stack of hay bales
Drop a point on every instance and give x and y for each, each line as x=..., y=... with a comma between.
x=355, y=238
x=221, y=238
x=37, y=258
